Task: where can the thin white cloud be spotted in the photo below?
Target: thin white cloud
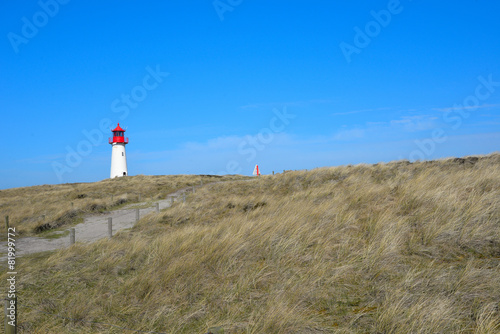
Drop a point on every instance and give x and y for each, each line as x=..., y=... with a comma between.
x=415, y=123
x=219, y=143
x=270, y=105
x=351, y=134
x=360, y=111
x=467, y=107
x=373, y=124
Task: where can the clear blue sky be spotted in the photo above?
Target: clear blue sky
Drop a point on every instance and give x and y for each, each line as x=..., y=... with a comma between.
x=357, y=81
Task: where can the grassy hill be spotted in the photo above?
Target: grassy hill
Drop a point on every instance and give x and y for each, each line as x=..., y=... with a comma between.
x=387, y=248
x=41, y=208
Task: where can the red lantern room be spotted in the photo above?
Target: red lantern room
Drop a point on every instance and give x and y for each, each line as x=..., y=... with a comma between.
x=118, y=136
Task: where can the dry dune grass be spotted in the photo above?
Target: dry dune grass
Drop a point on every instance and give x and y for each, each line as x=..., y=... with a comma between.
x=388, y=248
x=40, y=208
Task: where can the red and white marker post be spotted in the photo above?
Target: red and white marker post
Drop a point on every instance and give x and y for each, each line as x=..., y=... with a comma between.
x=256, y=171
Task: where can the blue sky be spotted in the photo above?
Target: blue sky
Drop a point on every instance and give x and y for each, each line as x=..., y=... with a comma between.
x=219, y=86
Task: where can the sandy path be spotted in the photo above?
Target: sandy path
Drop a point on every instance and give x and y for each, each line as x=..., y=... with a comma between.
x=94, y=227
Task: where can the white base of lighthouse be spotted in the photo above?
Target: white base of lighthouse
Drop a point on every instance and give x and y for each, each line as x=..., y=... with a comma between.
x=118, y=160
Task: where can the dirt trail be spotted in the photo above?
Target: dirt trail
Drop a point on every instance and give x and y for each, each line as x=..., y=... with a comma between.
x=94, y=227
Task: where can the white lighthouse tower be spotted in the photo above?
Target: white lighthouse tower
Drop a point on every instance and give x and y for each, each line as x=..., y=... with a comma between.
x=118, y=155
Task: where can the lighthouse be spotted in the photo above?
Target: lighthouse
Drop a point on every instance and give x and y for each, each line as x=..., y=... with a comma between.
x=118, y=155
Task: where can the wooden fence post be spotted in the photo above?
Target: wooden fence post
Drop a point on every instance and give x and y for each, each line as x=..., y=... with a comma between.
x=110, y=227
x=7, y=223
x=136, y=215
x=11, y=317
x=157, y=206
x=71, y=236
x=139, y=197
x=184, y=197
x=193, y=189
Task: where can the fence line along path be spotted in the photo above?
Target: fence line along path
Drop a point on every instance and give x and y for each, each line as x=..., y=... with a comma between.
x=94, y=227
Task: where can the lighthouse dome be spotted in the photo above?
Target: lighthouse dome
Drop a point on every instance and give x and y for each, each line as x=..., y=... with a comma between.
x=118, y=128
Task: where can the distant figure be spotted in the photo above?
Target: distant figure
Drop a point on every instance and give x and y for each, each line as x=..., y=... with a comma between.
x=118, y=156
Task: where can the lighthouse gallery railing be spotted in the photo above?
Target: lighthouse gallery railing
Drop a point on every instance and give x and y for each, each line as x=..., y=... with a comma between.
x=118, y=140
